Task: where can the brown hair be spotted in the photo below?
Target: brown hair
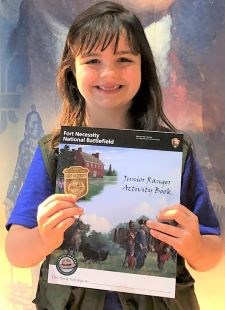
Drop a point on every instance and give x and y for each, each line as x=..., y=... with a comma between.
x=98, y=26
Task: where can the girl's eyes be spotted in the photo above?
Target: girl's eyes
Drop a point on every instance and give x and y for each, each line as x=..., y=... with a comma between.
x=93, y=61
x=97, y=61
x=122, y=59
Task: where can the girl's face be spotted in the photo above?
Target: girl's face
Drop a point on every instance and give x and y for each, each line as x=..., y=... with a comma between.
x=107, y=80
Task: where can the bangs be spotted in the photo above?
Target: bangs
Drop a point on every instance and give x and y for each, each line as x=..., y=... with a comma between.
x=100, y=32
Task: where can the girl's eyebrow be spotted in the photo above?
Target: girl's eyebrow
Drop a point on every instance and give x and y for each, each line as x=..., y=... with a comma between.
x=89, y=55
x=125, y=52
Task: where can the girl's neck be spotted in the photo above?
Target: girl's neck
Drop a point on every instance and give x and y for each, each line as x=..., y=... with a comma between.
x=107, y=119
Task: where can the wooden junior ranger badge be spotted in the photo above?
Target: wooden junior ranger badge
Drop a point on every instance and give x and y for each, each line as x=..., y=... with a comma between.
x=76, y=181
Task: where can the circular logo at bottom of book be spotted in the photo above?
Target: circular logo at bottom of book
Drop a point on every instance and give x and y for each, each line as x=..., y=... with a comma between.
x=66, y=264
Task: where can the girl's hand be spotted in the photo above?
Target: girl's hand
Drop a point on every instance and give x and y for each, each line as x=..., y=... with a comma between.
x=57, y=213
x=185, y=238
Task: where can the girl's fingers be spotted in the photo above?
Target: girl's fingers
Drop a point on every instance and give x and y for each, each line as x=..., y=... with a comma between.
x=164, y=237
x=54, y=207
x=178, y=213
x=61, y=215
x=59, y=197
x=54, y=204
x=63, y=225
x=173, y=215
x=178, y=207
x=164, y=228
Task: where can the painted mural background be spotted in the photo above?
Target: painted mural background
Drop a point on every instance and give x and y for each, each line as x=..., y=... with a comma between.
x=188, y=42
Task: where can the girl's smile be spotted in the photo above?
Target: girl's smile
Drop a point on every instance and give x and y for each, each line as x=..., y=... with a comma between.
x=109, y=89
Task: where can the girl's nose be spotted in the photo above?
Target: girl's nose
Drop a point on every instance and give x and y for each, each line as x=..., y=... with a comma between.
x=109, y=71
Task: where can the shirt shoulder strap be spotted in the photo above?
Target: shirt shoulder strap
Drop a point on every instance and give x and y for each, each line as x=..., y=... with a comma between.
x=50, y=155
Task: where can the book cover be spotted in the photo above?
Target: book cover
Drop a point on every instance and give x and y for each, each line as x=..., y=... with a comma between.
x=122, y=178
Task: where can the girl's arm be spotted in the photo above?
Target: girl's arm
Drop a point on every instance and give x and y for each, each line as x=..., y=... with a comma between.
x=26, y=247
x=202, y=252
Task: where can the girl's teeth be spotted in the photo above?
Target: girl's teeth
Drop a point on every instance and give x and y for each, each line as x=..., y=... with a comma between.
x=109, y=88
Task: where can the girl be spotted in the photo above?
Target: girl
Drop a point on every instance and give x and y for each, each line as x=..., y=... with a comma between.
x=107, y=78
